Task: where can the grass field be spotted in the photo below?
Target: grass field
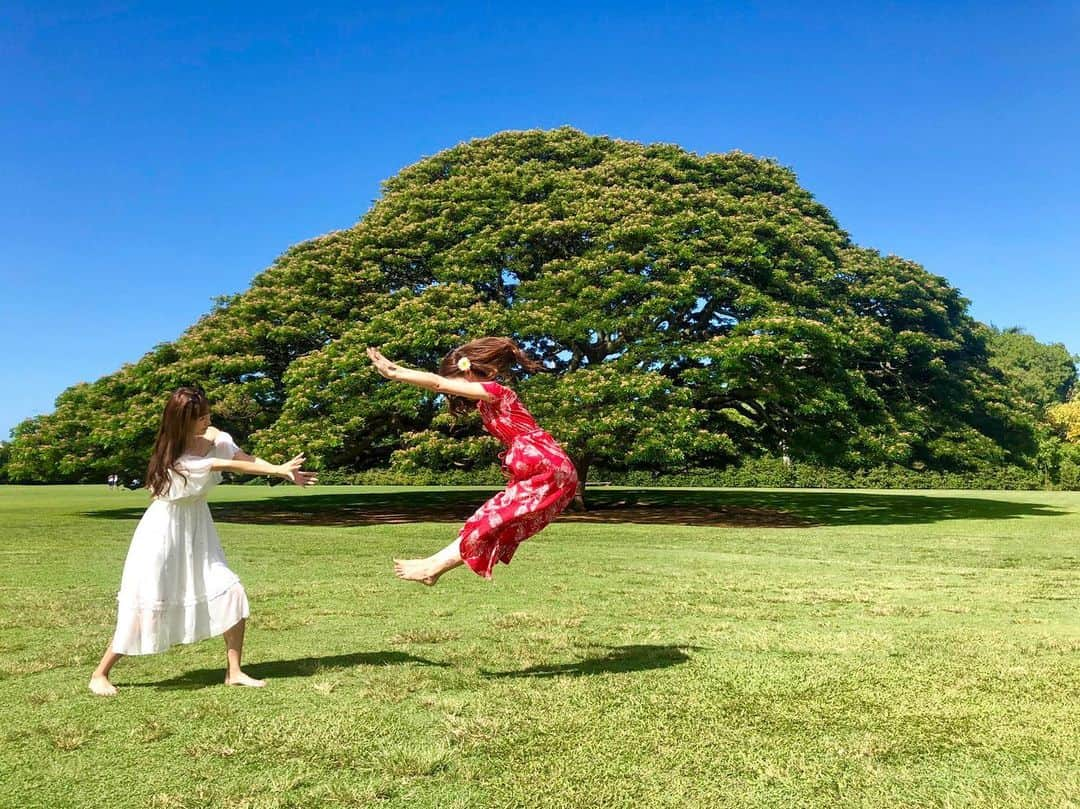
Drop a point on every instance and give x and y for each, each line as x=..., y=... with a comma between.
x=672, y=649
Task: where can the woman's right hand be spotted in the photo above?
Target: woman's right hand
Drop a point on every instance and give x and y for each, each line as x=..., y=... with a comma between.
x=291, y=470
x=382, y=364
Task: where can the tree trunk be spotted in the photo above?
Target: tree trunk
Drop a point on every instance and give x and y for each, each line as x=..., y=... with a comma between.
x=582, y=465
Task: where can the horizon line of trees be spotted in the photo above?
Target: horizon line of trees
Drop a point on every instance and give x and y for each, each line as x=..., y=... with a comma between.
x=692, y=311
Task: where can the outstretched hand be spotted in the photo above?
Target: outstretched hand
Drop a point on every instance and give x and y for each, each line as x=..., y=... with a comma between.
x=291, y=470
x=382, y=364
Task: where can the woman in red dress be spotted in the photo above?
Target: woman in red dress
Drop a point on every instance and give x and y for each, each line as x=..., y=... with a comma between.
x=542, y=478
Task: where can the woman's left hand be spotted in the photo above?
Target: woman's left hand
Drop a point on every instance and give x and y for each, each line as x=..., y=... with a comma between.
x=382, y=364
x=292, y=471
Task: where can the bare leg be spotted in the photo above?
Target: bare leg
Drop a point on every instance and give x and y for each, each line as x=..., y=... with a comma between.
x=234, y=650
x=427, y=571
x=99, y=680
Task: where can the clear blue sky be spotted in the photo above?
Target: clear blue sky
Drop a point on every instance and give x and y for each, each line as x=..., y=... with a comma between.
x=151, y=159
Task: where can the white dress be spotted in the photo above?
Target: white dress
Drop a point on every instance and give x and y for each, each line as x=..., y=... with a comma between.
x=177, y=587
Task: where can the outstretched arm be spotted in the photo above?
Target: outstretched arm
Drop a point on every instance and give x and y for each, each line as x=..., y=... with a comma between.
x=423, y=379
x=290, y=470
x=212, y=433
x=243, y=456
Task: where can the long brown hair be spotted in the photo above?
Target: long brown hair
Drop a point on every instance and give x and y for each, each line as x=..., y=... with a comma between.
x=185, y=407
x=489, y=358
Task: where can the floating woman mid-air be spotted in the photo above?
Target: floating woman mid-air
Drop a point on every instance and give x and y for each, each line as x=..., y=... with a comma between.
x=542, y=478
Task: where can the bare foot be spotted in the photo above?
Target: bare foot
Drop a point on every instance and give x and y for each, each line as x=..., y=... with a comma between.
x=416, y=570
x=101, y=686
x=244, y=680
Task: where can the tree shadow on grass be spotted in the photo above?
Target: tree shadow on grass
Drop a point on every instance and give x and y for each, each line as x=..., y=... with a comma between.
x=776, y=508
x=281, y=669
x=617, y=660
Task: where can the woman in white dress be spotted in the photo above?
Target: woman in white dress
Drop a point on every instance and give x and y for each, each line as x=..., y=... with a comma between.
x=176, y=586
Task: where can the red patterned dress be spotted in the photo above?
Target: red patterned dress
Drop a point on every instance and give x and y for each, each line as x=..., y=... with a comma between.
x=542, y=482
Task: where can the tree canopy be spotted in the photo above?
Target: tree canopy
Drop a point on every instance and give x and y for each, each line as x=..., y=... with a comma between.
x=1042, y=375
x=690, y=310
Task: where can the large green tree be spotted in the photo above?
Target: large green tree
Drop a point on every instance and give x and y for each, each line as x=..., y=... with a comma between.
x=689, y=308
x=1041, y=374
x=1039, y=378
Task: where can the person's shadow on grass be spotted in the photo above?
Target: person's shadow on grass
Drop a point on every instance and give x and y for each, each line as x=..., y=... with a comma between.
x=280, y=669
x=617, y=660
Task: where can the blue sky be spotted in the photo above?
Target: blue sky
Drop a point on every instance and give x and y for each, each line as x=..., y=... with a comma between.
x=151, y=159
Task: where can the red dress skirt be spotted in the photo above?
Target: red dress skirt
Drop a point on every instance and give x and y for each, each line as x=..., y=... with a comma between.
x=542, y=482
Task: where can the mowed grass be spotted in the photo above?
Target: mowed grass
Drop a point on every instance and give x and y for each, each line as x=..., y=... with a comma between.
x=869, y=649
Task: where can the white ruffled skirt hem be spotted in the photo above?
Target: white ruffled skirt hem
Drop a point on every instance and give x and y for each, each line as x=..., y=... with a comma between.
x=142, y=629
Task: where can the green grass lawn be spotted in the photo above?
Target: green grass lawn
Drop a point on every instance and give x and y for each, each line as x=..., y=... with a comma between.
x=677, y=648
